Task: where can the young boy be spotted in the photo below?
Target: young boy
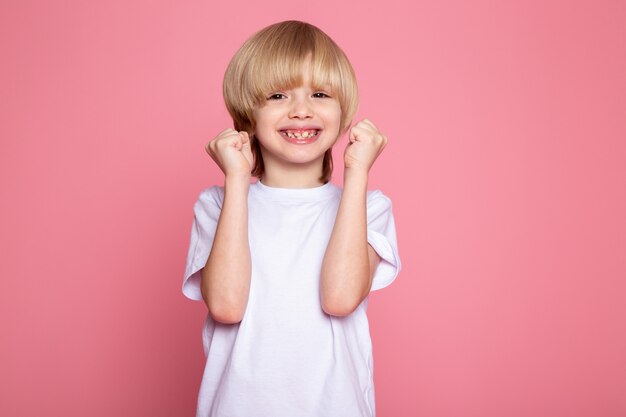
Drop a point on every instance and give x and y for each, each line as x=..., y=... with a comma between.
x=285, y=264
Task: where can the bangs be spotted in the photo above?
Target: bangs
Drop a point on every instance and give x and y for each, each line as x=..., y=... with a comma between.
x=284, y=69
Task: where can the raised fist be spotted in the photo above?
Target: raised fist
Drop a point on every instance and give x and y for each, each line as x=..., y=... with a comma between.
x=231, y=152
x=366, y=143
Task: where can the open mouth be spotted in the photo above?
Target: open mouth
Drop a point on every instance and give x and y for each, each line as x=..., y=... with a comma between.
x=301, y=135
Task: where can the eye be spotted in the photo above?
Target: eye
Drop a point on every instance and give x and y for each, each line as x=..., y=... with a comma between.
x=276, y=96
x=320, y=94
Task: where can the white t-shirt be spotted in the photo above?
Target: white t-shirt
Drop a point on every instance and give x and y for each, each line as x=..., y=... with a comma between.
x=287, y=358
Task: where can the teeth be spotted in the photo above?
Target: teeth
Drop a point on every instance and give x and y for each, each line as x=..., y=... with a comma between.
x=302, y=135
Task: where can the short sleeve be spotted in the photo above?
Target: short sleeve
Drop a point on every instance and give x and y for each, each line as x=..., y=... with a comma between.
x=206, y=213
x=381, y=235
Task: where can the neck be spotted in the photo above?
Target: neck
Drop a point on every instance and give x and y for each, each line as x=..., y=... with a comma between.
x=286, y=175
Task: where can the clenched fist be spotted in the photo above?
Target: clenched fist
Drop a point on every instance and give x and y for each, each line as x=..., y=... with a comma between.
x=366, y=143
x=231, y=152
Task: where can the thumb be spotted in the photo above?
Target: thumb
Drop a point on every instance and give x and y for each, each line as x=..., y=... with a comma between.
x=354, y=133
x=245, y=141
x=246, y=147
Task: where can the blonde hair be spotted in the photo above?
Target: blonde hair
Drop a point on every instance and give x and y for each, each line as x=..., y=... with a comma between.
x=272, y=60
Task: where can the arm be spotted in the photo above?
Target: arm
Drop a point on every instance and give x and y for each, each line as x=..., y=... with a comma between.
x=349, y=262
x=225, y=282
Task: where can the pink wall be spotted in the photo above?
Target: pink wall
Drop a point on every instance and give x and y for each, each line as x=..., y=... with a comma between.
x=507, y=168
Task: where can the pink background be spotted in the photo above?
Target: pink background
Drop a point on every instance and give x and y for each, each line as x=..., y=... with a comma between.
x=506, y=166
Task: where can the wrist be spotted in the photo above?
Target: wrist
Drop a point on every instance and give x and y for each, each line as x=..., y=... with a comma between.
x=237, y=180
x=355, y=179
x=355, y=174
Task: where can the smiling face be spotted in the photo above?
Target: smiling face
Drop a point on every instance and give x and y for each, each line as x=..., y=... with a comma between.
x=276, y=58
x=297, y=125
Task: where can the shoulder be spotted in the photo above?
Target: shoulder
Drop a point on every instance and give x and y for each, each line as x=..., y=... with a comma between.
x=212, y=194
x=376, y=199
x=210, y=199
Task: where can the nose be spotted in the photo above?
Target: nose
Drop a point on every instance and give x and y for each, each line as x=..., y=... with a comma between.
x=300, y=108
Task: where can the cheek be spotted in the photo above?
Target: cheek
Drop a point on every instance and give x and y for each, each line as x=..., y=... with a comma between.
x=338, y=114
x=337, y=119
x=265, y=117
x=332, y=114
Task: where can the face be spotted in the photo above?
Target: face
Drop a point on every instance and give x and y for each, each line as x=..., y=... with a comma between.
x=298, y=125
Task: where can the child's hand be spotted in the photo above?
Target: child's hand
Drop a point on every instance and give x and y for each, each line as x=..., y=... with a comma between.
x=366, y=143
x=231, y=152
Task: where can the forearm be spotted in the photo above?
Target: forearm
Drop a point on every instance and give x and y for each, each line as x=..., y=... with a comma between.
x=346, y=277
x=226, y=275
